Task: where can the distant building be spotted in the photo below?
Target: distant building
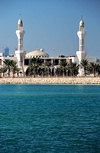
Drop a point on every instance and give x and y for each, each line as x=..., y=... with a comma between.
x=6, y=51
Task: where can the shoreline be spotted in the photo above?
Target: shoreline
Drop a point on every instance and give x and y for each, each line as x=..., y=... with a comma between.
x=52, y=80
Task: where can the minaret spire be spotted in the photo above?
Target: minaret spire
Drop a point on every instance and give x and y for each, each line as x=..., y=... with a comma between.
x=20, y=34
x=82, y=17
x=81, y=54
x=19, y=53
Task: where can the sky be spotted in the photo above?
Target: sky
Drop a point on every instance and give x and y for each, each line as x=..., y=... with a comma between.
x=51, y=25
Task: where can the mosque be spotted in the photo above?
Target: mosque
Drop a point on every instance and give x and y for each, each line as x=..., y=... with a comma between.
x=23, y=59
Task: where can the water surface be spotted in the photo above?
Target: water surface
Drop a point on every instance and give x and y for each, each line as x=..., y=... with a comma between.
x=49, y=119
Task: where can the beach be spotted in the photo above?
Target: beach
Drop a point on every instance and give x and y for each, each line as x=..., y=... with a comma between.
x=52, y=80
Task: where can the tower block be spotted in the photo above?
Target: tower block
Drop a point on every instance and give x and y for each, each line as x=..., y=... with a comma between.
x=81, y=54
x=19, y=53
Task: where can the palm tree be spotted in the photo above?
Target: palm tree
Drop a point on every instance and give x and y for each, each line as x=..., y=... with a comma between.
x=39, y=66
x=35, y=64
x=42, y=69
x=93, y=67
x=84, y=64
x=7, y=65
x=3, y=70
x=47, y=66
x=73, y=69
x=10, y=65
x=29, y=70
x=98, y=69
x=14, y=67
x=63, y=66
x=59, y=71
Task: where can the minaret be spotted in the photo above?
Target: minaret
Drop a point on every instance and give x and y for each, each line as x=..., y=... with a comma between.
x=19, y=53
x=81, y=54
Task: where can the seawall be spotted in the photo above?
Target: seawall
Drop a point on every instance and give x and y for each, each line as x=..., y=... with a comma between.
x=54, y=80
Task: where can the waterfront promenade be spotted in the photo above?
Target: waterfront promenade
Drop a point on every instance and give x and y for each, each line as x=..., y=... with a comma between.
x=52, y=80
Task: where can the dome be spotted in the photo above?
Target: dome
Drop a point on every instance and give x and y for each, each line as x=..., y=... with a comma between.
x=81, y=23
x=37, y=53
x=20, y=22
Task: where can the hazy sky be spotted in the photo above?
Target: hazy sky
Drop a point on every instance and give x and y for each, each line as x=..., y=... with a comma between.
x=51, y=24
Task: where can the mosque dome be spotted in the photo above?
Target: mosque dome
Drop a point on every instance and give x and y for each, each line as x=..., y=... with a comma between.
x=37, y=53
x=20, y=22
x=81, y=23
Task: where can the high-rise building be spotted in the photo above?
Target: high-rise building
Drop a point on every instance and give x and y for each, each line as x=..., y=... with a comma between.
x=6, y=51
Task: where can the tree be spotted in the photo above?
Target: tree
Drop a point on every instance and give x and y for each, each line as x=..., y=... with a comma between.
x=34, y=66
x=7, y=65
x=84, y=64
x=14, y=67
x=73, y=69
x=63, y=66
x=98, y=69
x=93, y=67
x=47, y=66
x=3, y=70
x=10, y=65
x=59, y=71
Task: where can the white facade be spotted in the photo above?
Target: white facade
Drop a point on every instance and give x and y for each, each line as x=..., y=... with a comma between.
x=81, y=54
x=19, y=53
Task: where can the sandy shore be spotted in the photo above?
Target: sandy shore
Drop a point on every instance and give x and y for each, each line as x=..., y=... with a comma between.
x=63, y=80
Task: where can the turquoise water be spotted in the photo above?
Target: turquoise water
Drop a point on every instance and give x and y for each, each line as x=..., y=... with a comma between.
x=49, y=119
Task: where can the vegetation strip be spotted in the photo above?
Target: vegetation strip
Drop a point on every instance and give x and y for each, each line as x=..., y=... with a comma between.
x=39, y=68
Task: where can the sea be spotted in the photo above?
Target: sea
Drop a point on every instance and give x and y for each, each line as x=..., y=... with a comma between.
x=49, y=119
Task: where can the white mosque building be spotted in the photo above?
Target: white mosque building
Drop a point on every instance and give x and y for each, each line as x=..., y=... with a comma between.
x=24, y=59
